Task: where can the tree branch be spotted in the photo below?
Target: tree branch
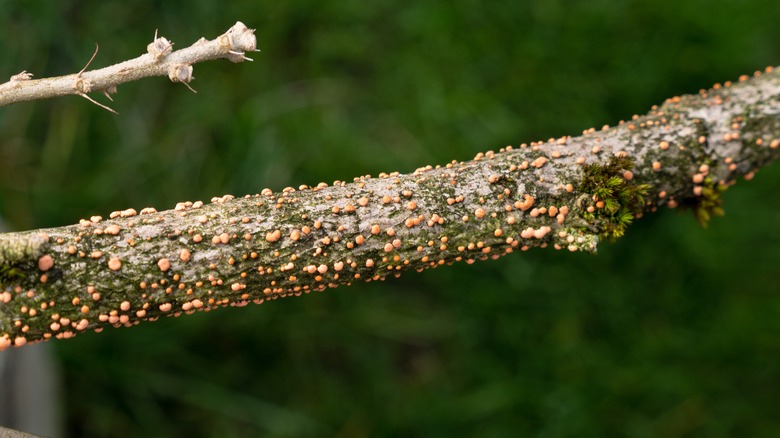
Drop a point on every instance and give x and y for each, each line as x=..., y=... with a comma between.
x=160, y=60
x=567, y=193
x=11, y=433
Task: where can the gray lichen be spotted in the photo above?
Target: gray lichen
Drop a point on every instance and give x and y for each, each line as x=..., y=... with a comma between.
x=22, y=247
x=565, y=193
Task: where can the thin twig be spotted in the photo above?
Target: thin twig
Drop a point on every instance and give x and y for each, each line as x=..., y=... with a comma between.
x=97, y=48
x=160, y=60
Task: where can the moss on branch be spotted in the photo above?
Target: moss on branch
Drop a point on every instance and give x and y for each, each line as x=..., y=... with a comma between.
x=618, y=198
x=565, y=193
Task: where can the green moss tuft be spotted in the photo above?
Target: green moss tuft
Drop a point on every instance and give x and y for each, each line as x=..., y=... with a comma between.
x=710, y=203
x=623, y=199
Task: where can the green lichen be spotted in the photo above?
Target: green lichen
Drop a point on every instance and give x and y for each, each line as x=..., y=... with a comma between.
x=17, y=250
x=623, y=199
x=710, y=203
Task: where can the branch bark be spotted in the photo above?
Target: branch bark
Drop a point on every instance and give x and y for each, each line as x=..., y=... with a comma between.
x=160, y=60
x=11, y=433
x=567, y=193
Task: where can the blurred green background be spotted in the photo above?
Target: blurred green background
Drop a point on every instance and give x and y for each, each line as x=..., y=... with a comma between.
x=672, y=331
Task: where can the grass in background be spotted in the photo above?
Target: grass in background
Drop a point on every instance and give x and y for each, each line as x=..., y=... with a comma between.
x=671, y=331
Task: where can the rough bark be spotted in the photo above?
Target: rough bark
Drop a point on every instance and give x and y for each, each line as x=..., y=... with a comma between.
x=10, y=433
x=566, y=193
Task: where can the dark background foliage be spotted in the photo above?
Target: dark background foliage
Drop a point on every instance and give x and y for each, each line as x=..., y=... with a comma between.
x=672, y=331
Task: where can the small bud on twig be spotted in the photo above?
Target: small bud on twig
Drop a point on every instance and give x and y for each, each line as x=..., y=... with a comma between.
x=23, y=76
x=177, y=65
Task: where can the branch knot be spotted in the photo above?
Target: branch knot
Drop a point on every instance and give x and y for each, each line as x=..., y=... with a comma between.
x=23, y=76
x=82, y=85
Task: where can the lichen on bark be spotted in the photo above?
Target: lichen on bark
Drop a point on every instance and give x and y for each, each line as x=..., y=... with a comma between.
x=18, y=248
x=564, y=193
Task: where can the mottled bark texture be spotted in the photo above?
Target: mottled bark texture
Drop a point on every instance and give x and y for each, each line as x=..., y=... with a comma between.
x=10, y=433
x=566, y=193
